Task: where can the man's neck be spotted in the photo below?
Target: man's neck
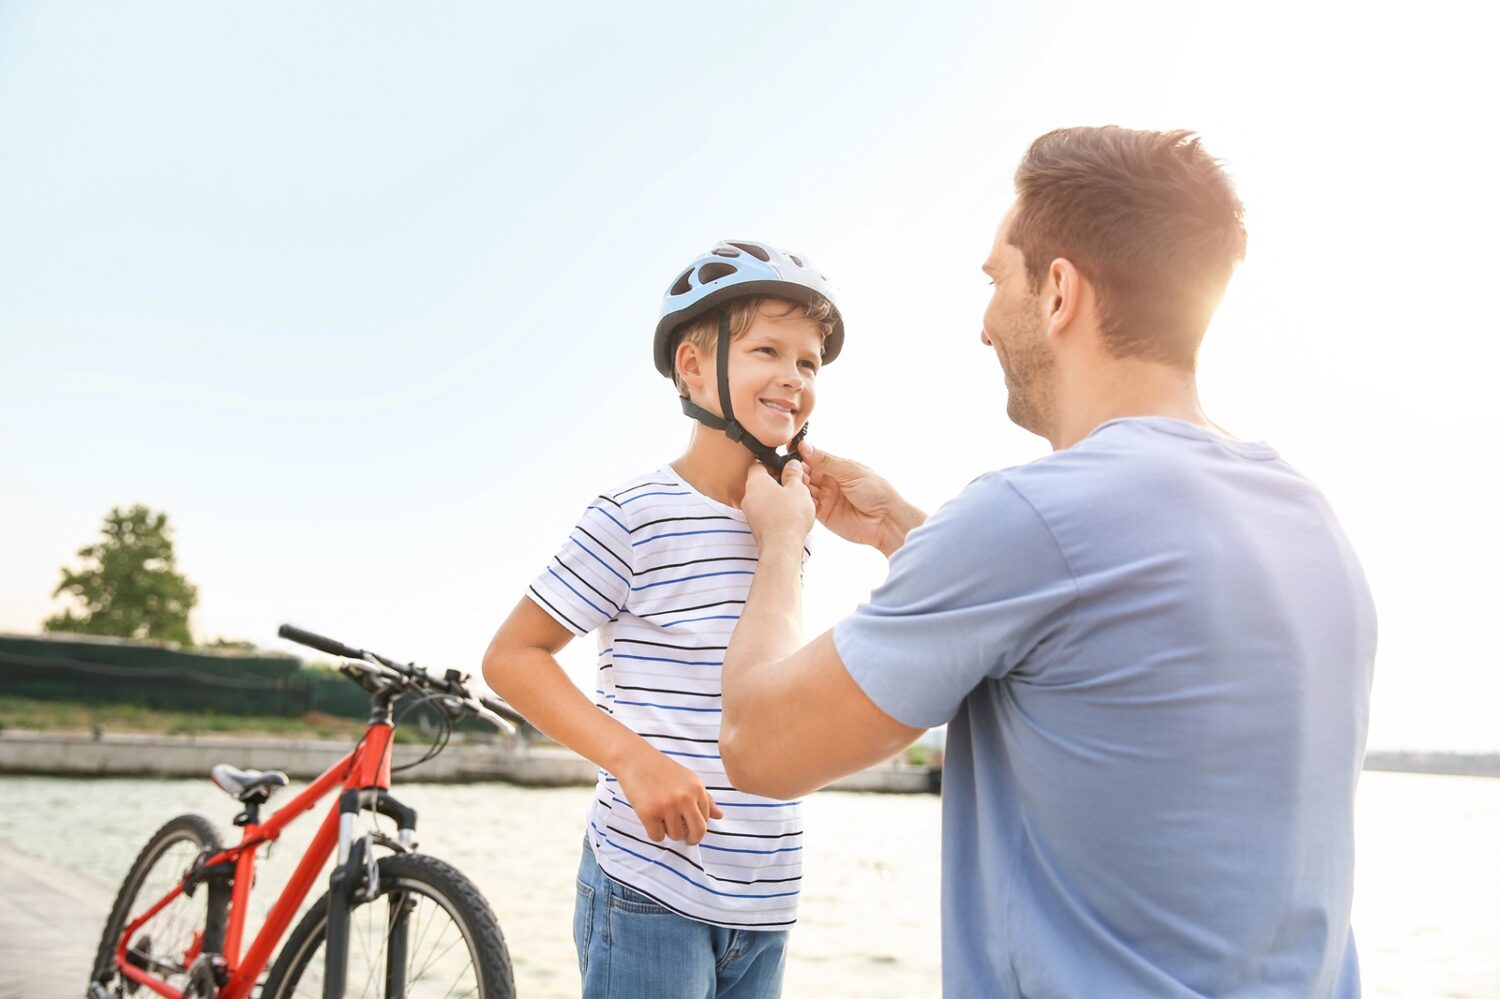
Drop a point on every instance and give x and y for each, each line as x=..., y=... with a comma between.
x=1121, y=389
x=715, y=466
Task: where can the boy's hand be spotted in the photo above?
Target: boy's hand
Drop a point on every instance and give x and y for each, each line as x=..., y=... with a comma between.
x=856, y=504
x=778, y=511
x=668, y=798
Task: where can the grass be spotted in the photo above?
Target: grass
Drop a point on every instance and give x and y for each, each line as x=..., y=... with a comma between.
x=83, y=717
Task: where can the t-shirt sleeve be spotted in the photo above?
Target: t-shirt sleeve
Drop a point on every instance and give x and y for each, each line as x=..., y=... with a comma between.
x=981, y=590
x=587, y=583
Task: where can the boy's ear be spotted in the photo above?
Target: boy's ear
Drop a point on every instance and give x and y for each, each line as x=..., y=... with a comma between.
x=690, y=366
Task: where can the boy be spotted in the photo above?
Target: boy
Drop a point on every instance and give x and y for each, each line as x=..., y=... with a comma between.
x=686, y=887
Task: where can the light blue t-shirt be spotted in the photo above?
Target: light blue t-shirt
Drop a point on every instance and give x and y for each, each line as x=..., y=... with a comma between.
x=1153, y=651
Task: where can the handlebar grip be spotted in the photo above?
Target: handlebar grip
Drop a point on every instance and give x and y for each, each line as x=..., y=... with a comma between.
x=502, y=709
x=312, y=641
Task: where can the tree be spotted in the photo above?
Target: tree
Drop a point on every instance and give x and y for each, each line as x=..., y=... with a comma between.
x=128, y=585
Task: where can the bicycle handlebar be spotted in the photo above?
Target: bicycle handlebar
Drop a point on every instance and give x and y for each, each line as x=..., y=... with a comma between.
x=318, y=642
x=491, y=709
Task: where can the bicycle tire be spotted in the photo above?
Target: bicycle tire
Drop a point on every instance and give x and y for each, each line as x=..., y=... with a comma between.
x=206, y=910
x=400, y=876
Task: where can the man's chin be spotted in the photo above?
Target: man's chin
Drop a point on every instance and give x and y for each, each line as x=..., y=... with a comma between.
x=1022, y=415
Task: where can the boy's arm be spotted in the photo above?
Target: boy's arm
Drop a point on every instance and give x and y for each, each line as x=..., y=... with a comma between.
x=520, y=665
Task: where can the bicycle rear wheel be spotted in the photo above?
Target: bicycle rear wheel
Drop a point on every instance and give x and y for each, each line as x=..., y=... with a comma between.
x=452, y=945
x=191, y=925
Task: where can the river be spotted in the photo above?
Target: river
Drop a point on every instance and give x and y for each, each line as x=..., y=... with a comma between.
x=1425, y=912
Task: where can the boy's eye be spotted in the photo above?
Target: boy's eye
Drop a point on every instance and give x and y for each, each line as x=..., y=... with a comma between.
x=767, y=350
x=810, y=366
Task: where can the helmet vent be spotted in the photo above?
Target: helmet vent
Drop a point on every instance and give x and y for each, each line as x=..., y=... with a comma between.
x=681, y=286
x=724, y=251
x=758, y=252
x=712, y=272
x=796, y=260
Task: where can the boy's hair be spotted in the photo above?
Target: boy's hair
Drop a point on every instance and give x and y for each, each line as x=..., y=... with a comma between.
x=1150, y=218
x=703, y=332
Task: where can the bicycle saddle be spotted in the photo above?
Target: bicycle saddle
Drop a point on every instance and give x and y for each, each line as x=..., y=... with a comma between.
x=247, y=784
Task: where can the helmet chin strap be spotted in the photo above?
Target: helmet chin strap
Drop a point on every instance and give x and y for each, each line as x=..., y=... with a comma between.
x=733, y=429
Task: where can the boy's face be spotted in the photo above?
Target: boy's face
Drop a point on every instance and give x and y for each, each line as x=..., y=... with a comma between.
x=773, y=369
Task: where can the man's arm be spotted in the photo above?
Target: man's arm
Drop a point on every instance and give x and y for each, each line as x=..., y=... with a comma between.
x=794, y=719
x=856, y=504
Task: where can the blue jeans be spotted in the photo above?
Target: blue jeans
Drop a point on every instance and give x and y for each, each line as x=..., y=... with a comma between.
x=630, y=947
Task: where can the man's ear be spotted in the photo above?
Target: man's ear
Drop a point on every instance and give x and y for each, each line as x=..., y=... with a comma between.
x=1067, y=295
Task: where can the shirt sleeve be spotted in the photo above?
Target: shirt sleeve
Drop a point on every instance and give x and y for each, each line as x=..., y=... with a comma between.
x=588, y=582
x=980, y=591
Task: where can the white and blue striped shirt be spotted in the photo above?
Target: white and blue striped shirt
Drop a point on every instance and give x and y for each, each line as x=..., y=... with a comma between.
x=662, y=572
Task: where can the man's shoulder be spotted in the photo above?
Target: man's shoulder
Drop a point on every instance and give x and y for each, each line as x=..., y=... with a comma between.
x=1135, y=458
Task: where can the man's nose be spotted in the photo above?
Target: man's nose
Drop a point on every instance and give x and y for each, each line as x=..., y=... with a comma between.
x=984, y=337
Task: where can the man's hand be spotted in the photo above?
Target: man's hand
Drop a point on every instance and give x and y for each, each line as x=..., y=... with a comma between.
x=782, y=512
x=668, y=798
x=856, y=504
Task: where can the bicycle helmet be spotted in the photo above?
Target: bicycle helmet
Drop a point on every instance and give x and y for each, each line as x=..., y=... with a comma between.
x=731, y=270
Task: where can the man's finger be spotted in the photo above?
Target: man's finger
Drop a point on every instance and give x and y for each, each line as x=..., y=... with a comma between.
x=791, y=472
x=823, y=462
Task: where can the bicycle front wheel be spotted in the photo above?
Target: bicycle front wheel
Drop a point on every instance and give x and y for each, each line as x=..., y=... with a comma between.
x=427, y=934
x=187, y=927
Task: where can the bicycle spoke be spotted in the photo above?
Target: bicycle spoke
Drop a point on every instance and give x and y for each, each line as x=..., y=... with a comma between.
x=414, y=949
x=373, y=959
x=444, y=951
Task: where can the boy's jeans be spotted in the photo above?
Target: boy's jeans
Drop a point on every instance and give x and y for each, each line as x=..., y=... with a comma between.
x=629, y=947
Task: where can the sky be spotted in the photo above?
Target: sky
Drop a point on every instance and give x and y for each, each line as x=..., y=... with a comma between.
x=362, y=295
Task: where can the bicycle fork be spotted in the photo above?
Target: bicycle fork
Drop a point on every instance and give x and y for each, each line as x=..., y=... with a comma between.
x=356, y=880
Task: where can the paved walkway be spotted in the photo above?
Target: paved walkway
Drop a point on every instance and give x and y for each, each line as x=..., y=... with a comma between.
x=50, y=921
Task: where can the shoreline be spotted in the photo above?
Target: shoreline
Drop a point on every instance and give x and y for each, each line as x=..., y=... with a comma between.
x=126, y=754
x=131, y=754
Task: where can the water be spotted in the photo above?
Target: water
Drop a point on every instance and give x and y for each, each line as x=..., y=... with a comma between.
x=1425, y=913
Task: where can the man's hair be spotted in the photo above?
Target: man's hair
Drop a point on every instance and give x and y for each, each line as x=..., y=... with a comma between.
x=1149, y=218
x=703, y=332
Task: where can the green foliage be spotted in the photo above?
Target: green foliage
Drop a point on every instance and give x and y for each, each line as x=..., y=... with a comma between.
x=222, y=644
x=83, y=716
x=128, y=585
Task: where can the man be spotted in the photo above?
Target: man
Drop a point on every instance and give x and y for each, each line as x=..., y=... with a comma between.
x=1152, y=647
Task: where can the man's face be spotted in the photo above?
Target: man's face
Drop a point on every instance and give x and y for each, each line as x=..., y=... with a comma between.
x=1015, y=327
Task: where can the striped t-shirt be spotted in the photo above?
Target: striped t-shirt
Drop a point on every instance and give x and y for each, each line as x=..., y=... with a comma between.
x=661, y=572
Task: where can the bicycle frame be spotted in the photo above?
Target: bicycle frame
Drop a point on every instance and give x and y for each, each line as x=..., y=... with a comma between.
x=365, y=769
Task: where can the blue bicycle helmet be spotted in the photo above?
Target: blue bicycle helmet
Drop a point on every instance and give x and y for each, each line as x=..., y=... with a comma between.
x=736, y=269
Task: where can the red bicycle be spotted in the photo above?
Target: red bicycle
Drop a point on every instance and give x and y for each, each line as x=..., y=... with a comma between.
x=393, y=923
